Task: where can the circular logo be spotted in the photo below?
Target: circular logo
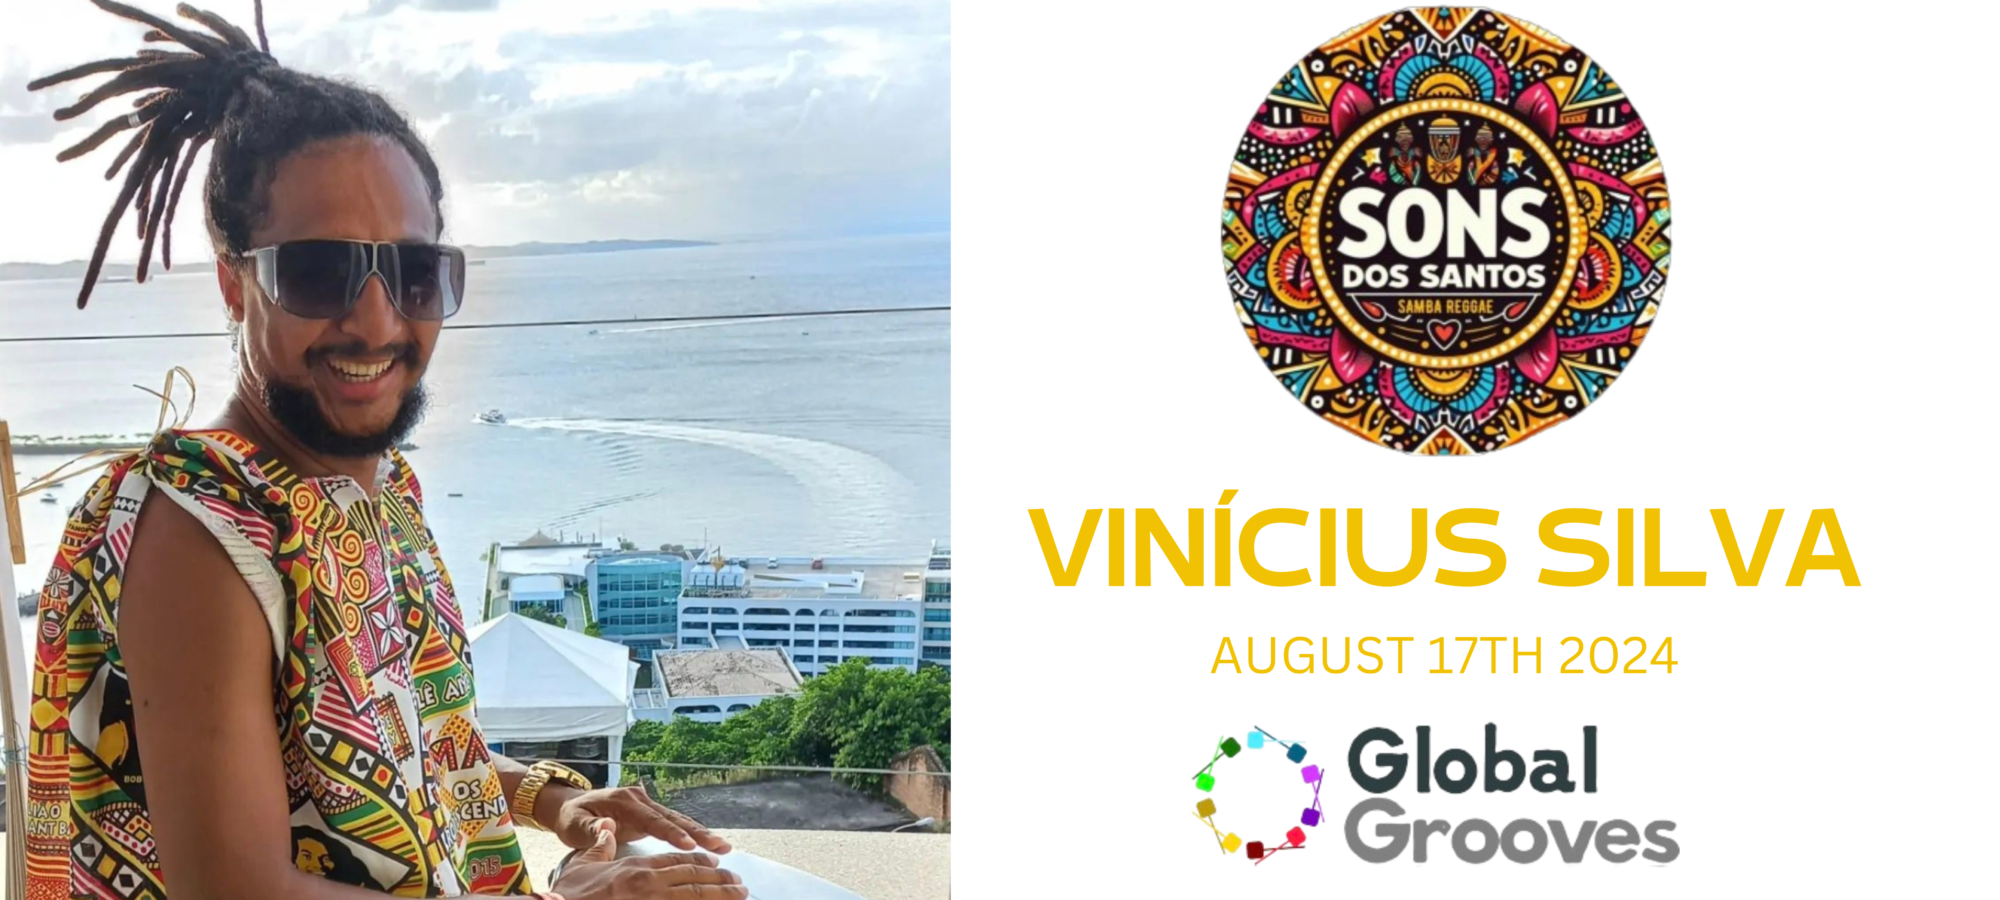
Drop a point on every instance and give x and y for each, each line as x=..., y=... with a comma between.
x=1228, y=841
x=1446, y=230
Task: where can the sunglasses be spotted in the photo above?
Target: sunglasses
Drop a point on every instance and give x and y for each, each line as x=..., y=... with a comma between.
x=322, y=279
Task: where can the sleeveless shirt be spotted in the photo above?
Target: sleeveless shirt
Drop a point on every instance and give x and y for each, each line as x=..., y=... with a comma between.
x=389, y=780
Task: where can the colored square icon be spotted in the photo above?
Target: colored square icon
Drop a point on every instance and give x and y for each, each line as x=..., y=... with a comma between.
x=1230, y=747
x=1310, y=774
x=1310, y=817
x=1297, y=753
x=1254, y=850
x=1230, y=843
x=1205, y=808
x=1256, y=740
x=1297, y=835
x=1205, y=781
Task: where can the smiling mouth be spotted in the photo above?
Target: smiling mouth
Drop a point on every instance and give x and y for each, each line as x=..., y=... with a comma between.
x=359, y=373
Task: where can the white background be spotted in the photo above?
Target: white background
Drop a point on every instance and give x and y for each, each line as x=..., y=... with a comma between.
x=1823, y=343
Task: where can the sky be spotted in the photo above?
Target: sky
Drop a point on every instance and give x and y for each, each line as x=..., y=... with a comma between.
x=553, y=120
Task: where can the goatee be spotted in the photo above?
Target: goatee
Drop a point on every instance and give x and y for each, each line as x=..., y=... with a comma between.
x=298, y=412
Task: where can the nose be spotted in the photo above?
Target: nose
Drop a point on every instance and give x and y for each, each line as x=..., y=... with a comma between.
x=373, y=319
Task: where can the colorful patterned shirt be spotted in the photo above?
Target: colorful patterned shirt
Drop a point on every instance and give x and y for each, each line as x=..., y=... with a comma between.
x=388, y=776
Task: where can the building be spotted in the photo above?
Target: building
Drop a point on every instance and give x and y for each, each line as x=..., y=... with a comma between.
x=937, y=606
x=545, y=591
x=635, y=599
x=822, y=611
x=712, y=685
x=527, y=573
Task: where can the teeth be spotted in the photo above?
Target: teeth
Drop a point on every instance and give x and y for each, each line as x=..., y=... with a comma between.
x=349, y=371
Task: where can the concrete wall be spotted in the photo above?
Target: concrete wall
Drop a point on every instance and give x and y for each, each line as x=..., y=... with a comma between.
x=721, y=703
x=923, y=795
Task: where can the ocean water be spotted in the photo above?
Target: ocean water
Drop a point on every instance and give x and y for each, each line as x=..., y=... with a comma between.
x=825, y=435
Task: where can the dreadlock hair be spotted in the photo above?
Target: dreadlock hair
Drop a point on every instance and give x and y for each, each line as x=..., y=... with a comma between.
x=222, y=89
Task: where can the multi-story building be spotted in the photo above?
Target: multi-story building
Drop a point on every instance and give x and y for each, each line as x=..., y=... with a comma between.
x=635, y=599
x=937, y=606
x=821, y=611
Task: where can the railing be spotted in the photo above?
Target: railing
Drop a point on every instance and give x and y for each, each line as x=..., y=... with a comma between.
x=649, y=764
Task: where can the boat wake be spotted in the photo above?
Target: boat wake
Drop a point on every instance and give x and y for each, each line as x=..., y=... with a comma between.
x=859, y=497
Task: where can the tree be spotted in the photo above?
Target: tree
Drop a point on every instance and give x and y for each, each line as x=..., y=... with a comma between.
x=893, y=711
x=541, y=613
x=644, y=735
x=852, y=716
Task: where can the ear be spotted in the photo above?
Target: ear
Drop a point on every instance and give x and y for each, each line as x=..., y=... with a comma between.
x=232, y=288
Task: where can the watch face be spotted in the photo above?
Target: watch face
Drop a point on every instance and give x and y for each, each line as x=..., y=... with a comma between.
x=1446, y=230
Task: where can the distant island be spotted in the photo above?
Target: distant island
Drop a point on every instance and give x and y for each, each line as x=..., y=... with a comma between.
x=116, y=272
x=28, y=444
x=541, y=248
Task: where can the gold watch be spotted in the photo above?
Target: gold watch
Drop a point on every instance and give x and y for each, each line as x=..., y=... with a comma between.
x=539, y=776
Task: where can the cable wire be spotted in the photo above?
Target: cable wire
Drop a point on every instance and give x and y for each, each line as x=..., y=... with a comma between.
x=645, y=763
x=482, y=326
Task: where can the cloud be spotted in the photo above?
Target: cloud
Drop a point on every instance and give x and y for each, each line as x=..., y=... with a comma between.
x=26, y=129
x=384, y=7
x=28, y=117
x=586, y=119
x=813, y=119
x=729, y=37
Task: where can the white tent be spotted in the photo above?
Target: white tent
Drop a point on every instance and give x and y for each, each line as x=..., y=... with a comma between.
x=537, y=682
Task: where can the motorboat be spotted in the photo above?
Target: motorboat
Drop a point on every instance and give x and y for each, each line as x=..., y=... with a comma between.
x=406, y=446
x=493, y=417
x=49, y=497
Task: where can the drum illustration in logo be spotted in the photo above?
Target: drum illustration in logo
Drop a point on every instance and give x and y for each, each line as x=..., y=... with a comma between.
x=1446, y=231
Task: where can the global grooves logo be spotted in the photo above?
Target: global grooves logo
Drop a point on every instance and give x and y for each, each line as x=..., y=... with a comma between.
x=1446, y=231
x=1381, y=829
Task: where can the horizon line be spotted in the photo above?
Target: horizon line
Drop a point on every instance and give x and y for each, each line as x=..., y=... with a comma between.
x=731, y=239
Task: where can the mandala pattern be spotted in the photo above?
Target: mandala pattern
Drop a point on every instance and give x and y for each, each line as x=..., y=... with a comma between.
x=390, y=783
x=1446, y=231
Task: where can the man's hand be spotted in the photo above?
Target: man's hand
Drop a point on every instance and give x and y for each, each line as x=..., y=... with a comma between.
x=635, y=815
x=596, y=873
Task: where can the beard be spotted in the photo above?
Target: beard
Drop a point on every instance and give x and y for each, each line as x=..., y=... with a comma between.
x=298, y=412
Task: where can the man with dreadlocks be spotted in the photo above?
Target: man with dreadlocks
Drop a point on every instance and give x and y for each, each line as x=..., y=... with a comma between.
x=251, y=677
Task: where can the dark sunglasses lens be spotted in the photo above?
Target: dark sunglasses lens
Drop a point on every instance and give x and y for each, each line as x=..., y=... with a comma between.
x=431, y=277
x=315, y=278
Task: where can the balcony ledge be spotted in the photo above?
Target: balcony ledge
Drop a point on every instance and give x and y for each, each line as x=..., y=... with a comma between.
x=877, y=865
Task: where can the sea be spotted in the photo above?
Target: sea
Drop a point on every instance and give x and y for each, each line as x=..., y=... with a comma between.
x=796, y=434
